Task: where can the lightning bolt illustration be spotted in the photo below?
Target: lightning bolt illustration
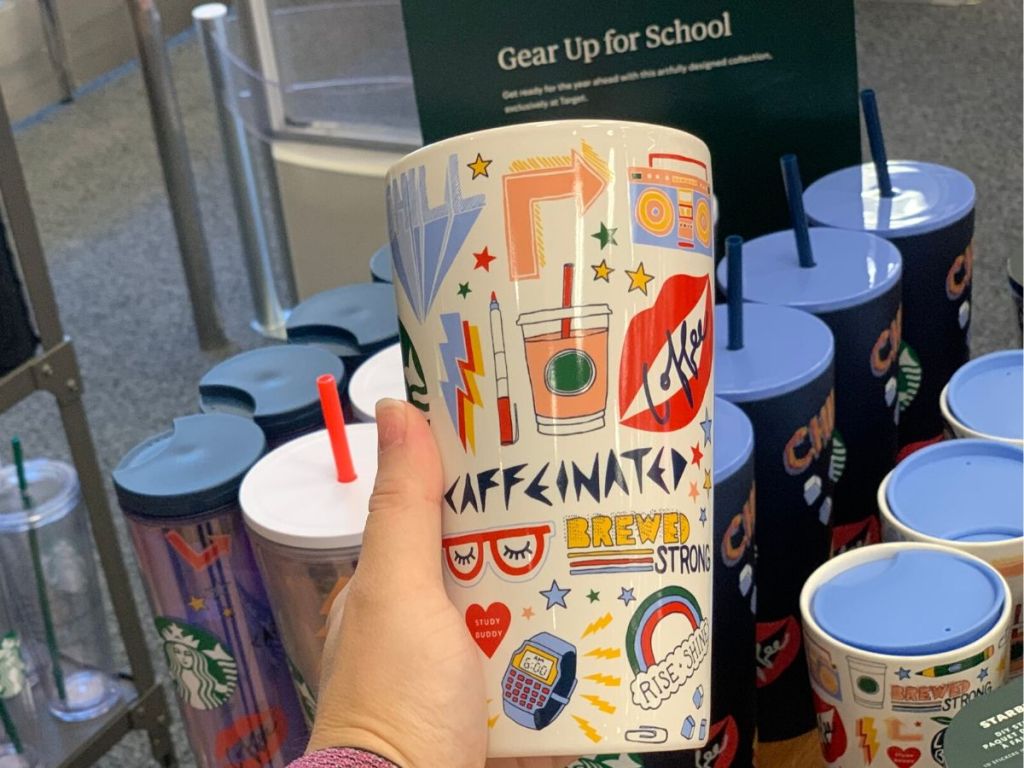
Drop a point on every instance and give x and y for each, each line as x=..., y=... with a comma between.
x=598, y=703
x=598, y=625
x=604, y=653
x=492, y=721
x=611, y=682
x=463, y=361
x=868, y=738
x=588, y=730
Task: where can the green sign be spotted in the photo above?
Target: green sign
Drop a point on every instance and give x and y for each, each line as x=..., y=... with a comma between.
x=754, y=78
x=988, y=732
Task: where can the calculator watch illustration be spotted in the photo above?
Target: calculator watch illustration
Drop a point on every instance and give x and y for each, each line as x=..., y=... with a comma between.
x=539, y=681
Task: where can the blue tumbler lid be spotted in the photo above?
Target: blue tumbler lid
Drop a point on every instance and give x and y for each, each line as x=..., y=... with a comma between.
x=733, y=439
x=351, y=320
x=987, y=394
x=783, y=349
x=192, y=469
x=961, y=490
x=380, y=264
x=912, y=603
x=851, y=269
x=927, y=197
x=274, y=386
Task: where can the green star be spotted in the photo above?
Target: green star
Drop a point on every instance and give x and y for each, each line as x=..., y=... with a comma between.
x=606, y=235
x=593, y=596
x=464, y=290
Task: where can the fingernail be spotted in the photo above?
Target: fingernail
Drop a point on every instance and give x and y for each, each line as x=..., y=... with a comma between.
x=390, y=416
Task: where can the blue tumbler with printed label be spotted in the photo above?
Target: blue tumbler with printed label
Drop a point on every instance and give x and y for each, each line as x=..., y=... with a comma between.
x=930, y=218
x=733, y=676
x=854, y=288
x=782, y=377
x=274, y=386
x=179, y=491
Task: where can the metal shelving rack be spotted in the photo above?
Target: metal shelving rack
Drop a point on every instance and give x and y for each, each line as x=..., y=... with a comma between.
x=54, y=369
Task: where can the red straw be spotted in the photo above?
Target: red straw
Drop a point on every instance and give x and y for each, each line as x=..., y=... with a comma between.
x=330, y=404
x=566, y=297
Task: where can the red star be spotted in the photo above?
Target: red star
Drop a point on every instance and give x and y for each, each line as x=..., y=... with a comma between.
x=697, y=455
x=693, y=494
x=483, y=260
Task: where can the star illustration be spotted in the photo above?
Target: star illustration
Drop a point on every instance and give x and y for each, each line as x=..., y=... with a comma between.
x=479, y=166
x=706, y=426
x=982, y=674
x=638, y=279
x=527, y=612
x=197, y=604
x=707, y=479
x=626, y=596
x=703, y=516
x=697, y=455
x=483, y=260
x=555, y=595
x=904, y=673
x=606, y=235
x=464, y=290
x=602, y=270
x=693, y=494
x=593, y=596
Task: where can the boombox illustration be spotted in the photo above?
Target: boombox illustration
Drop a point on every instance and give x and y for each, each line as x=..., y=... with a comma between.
x=671, y=203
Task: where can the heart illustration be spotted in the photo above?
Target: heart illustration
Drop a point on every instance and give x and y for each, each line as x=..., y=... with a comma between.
x=903, y=758
x=488, y=625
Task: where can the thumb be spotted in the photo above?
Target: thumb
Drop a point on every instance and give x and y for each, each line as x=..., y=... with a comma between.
x=402, y=543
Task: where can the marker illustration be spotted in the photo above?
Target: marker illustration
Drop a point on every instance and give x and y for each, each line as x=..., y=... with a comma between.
x=508, y=428
x=941, y=670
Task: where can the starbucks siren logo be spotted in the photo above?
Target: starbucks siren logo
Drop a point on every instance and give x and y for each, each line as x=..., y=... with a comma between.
x=838, y=461
x=909, y=379
x=12, y=666
x=204, y=673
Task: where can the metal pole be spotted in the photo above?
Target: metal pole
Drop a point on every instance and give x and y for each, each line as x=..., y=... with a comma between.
x=252, y=226
x=252, y=23
x=181, y=185
x=57, y=47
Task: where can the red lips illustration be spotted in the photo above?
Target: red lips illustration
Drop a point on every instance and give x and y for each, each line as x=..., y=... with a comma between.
x=723, y=743
x=253, y=740
x=831, y=731
x=686, y=370
x=778, y=643
x=854, y=535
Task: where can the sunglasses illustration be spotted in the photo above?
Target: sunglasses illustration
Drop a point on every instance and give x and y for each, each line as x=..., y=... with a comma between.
x=515, y=552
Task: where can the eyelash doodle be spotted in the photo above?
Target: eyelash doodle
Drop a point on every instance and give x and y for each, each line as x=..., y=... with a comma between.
x=495, y=546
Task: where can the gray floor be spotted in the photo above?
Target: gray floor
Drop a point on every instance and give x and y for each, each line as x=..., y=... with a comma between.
x=949, y=85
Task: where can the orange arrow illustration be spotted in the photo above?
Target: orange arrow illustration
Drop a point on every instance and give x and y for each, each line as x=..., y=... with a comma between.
x=203, y=559
x=525, y=190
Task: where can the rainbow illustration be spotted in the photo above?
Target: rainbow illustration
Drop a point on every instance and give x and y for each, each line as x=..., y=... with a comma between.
x=667, y=601
x=463, y=361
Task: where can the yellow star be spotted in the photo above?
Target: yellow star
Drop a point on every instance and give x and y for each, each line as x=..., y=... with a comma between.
x=228, y=613
x=707, y=479
x=197, y=604
x=479, y=166
x=639, y=279
x=602, y=270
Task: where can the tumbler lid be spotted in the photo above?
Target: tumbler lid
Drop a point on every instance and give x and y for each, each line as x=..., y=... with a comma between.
x=851, y=269
x=52, y=486
x=292, y=496
x=350, y=321
x=274, y=386
x=733, y=439
x=927, y=197
x=380, y=264
x=960, y=490
x=987, y=394
x=912, y=603
x=783, y=349
x=191, y=469
x=381, y=376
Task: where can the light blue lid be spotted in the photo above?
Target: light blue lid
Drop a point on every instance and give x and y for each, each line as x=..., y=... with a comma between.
x=380, y=264
x=851, y=269
x=961, y=490
x=927, y=197
x=912, y=603
x=987, y=394
x=733, y=439
x=783, y=349
x=351, y=320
